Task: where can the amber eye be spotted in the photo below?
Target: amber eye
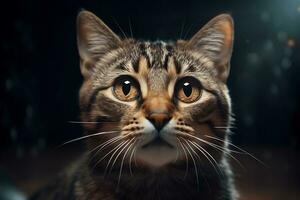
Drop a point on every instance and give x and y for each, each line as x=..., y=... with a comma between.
x=188, y=90
x=126, y=88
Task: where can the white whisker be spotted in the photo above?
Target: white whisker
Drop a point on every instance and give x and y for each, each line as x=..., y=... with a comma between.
x=240, y=149
x=208, y=156
x=216, y=147
x=131, y=155
x=122, y=162
x=109, y=153
x=81, y=122
x=195, y=166
x=123, y=148
x=107, y=143
x=186, y=158
x=87, y=136
x=113, y=154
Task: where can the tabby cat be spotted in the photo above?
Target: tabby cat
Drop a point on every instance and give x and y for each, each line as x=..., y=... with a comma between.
x=156, y=116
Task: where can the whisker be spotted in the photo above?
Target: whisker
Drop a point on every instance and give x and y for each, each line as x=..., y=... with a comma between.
x=123, y=148
x=130, y=28
x=112, y=140
x=208, y=156
x=81, y=122
x=115, y=21
x=195, y=166
x=187, y=32
x=221, y=127
x=177, y=155
x=122, y=162
x=216, y=147
x=103, y=145
x=113, y=154
x=187, y=142
x=109, y=153
x=134, y=156
x=225, y=149
x=186, y=158
x=240, y=149
x=227, y=152
x=87, y=136
x=131, y=155
x=181, y=29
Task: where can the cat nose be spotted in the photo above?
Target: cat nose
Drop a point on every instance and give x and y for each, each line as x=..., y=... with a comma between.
x=158, y=109
x=159, y=119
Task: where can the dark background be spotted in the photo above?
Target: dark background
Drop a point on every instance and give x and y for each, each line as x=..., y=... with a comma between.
x=40, y=76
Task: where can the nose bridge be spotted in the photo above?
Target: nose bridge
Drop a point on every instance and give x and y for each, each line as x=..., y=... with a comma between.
x=157, y=80
x=158, y=109
x=157, y=103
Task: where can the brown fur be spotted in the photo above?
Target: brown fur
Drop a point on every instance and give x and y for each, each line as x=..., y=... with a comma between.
x=134, y=166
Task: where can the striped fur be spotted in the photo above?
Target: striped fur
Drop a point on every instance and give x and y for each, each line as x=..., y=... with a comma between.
x=162, y=133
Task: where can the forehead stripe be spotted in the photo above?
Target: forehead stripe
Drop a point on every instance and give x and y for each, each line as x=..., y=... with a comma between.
x=135, y=65
x=166, y=61
x=191, y=68
x=121, y=66
x=177, y=66
x=143, y=65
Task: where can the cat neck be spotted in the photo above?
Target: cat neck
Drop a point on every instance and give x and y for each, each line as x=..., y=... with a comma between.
x=167, y=183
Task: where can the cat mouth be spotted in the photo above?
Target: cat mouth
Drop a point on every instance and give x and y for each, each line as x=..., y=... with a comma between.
x=157, y=152
x=158, y=142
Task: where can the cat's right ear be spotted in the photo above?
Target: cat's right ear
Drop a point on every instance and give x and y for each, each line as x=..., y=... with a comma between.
x=94, y=39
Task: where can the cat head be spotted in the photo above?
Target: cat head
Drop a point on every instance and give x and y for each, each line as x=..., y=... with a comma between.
x=158, y=102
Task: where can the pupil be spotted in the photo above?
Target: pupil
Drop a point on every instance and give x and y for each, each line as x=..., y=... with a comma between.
x=126, y=87
x=187, y=89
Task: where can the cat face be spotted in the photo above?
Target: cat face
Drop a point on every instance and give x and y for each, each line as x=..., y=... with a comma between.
x=160, y=103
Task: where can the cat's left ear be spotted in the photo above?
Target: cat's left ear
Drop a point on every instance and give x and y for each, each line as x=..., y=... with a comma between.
x=94, y=40
x=215, y=40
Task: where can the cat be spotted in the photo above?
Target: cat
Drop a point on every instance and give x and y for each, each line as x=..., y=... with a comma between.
x=156, y=116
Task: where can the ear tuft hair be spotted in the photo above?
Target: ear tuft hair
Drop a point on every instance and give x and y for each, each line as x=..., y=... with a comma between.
x=94, y=39
x=215, y=40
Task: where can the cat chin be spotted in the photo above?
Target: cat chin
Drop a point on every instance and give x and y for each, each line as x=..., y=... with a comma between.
x=156, y=155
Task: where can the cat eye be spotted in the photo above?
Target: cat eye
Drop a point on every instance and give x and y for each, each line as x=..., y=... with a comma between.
x=126, y=88
x=188, y=90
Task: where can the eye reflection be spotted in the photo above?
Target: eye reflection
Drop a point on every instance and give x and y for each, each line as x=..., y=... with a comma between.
x=126, y=87
x=187, y=89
